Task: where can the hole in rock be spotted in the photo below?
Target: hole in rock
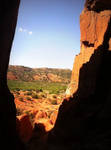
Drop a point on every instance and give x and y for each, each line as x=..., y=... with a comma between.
x=47, y=36
x=87, y=44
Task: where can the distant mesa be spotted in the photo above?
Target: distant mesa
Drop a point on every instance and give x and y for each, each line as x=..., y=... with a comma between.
x=38, y=74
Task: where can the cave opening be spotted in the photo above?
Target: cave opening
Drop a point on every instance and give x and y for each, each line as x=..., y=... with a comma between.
x=42, y=58
x=83, y=121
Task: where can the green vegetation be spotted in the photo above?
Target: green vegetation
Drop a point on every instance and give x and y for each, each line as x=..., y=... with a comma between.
x=17, y=93
x=35, y=96
x=21, y=99
x=52, y=87
x=19, y=111
x=54, y=102
x=28, y=98
x=28, y=93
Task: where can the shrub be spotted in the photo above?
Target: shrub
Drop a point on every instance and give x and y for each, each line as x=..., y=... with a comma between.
x=40, y=90
x=29, y=89
x=54, y=96
x=35, y=96
x=31, y=116
x=28, y=98
x=43, y=95
x=19, y=112
x=17, y=93
x=29, y=93
x=54, y=102
x=37, y=91
x=21, y=99
x=49, y=113
x=17, y=89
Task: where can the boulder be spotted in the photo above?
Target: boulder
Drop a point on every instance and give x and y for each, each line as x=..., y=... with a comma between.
x=24, y=128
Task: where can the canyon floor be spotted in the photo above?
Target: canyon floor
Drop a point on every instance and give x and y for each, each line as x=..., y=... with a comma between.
x=38, y=93
x=36, y=108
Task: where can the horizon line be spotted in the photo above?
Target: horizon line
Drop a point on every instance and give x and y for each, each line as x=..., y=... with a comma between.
x=40, y=67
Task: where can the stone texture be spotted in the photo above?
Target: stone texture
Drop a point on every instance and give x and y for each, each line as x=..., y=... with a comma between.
x=11, y=76
x=93, y=26
x=24, y=128
x=8, y=15
x=84, y=120
x=98, y=5
x=40, y=115
x=53, y=117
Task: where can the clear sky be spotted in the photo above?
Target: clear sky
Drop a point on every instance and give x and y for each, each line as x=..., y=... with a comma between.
x=47, y=33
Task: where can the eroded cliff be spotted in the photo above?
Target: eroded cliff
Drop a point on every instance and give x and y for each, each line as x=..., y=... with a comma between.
x=95, y=22
x=83, y=120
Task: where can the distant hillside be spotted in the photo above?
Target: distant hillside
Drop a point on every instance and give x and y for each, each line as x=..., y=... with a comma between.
x=22, y=73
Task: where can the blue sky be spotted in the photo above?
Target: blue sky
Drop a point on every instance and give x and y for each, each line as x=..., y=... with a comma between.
x=47, y=33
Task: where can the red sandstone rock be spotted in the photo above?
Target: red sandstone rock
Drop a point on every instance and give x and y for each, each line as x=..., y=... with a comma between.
x=11, y=76
x=53, y=117
x=54, y=78
x=93, y=26
x=40, y=115
x=85, y=117
x=24, y=128
x=45, y=123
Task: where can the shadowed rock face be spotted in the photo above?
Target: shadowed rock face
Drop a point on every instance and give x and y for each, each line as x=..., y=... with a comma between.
x=8, y=15
x=84, y=121
x=98, y=5
x=94, y=28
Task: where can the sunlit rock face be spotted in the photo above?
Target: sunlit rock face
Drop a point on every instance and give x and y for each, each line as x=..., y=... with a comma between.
x=84, y=119
x=94, y=23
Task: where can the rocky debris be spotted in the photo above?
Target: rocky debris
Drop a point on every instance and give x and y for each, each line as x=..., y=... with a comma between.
x=41, y=114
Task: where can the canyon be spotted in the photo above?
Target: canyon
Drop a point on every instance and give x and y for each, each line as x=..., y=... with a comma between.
x=84, y=117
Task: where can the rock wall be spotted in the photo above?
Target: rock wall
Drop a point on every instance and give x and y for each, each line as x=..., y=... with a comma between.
x=84, y=120
x=8, y=15
x=94, y=23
